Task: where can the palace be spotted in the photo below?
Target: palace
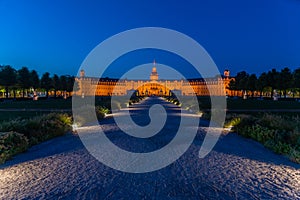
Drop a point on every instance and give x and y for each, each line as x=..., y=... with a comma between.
x=216, y=86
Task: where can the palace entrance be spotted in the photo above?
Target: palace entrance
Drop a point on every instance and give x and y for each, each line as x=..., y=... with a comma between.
x=153, y=89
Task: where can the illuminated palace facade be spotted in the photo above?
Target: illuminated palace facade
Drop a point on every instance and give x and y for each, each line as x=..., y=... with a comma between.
x=90, y=86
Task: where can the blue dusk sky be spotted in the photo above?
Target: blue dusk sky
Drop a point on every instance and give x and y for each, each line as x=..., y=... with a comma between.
x=57, y=35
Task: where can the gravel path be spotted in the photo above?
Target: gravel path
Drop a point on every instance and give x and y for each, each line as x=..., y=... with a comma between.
x=237, y=168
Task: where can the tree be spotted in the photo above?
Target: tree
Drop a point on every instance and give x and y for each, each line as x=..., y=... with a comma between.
x=34, y=80
x=70, y=83
x=8, y=78
x=55, y=83
x=242, y=80
x=285, y=80
x=262, y=82
x=272, y=80
x=46, y=83
x=232, y=85
x=76, y=87
x=23, y=79
x=63, y=82
x=296, y=80
x=251, y=83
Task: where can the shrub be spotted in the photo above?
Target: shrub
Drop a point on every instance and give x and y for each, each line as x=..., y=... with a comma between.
x=277, y=122
x=294, y=155
x=111, y=105
x=115, y=105
x=206, y=115
x=40, y=128
x=13, y=125
x=258, y=133
x=245, y=121
x=194, y=108
x=278, y=133
x=48, y=126
x=11, y=143
x=232, y=122
x=84, y=117
x=101, y=112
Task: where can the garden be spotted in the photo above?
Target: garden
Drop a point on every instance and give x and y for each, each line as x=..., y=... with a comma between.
x=27, y=123
x=275, y=124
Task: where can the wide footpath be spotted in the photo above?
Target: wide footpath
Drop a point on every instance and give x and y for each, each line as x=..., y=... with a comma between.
x=237, y=168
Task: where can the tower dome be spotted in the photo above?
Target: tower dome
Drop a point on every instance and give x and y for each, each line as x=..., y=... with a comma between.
x=82, y=73
x=154, y=74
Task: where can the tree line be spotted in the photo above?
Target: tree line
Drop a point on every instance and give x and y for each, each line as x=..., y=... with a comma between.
x=283, y=81
x=24, y=79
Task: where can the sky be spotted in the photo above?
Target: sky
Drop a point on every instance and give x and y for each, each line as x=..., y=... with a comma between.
x=56, y=36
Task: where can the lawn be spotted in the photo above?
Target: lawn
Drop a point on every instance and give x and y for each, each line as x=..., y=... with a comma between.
x=252, y=104
x=17, y=109
x=204, y=103
x=40, y=104
x=11, y=115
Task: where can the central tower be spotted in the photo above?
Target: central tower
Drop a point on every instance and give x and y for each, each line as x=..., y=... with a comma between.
x=154, y=74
